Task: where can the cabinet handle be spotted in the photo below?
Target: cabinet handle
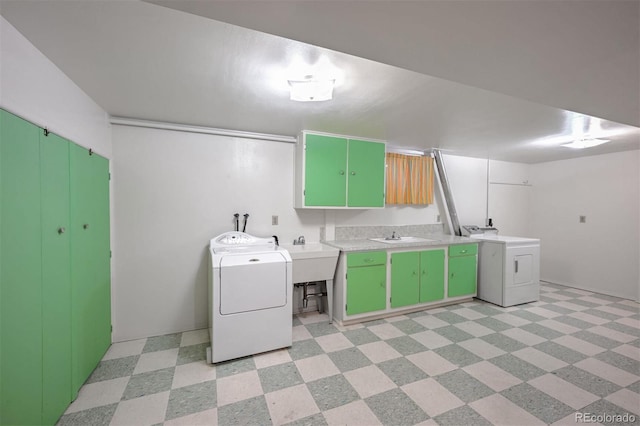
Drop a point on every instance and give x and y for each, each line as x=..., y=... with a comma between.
x=463, y=251
x=368, y=260
x=383, y=284
x=341, y=172
x=516, y=266
x=85, y=226
x=353, y=173
x=415, y=273
x=61, y=230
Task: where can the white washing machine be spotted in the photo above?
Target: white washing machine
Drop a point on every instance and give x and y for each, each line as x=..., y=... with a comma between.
x=250, y=292
x=508, y=269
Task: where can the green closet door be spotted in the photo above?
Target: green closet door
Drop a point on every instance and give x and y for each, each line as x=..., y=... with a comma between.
x=90, y=262
x=20, y=273
x=405, y=281
x=431, y=275
x=366, y=174
x=325, y=173
x=56, y=279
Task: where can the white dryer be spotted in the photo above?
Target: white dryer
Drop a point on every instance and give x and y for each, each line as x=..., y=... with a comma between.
x=250, y=291
x=508, y=269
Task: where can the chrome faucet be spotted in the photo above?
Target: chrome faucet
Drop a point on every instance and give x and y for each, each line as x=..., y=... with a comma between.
x=300, y=241
x=393, y=236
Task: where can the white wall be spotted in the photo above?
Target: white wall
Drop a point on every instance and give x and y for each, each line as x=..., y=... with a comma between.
x=509, y=197
x=173, y=192
x=602, y=254
x=468, y=182
x=33, y=88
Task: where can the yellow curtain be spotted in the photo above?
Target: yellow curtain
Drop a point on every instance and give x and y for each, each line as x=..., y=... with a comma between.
x=409, y=179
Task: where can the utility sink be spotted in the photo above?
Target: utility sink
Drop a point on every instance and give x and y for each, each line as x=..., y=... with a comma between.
x=312, y=261
x=404, y=240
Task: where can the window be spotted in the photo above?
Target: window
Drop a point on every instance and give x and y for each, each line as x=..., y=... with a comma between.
x=409, y=179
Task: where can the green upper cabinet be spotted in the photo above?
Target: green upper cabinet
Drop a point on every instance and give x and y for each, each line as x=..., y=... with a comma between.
x=462, y=270
x=337, y=172
x=325, y=171
x=366, y=174
x=417, y=277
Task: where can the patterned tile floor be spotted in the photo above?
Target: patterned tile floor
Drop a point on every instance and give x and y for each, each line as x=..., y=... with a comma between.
x=572, y=353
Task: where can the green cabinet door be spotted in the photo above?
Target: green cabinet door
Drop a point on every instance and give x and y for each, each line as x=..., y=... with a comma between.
x=325, y=171
x=56, y=280
x=20, y=273
x=90, y=262
x=462, y=276
x=366, y=289
x=366, y=174
x=431, y=275
x=405, y=280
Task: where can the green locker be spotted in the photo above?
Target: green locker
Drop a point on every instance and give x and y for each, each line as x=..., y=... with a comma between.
x=431, y=275
x=366, y=282
x=325, y=170
x=20, y=273
x=405, y=280
x=90, y=262
x=56, y=277
x=366, y=174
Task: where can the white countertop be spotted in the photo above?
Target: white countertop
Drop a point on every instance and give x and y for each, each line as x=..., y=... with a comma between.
x=368, y=245
x=504, y=238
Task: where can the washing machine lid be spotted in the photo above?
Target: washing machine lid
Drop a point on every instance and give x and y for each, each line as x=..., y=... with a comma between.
x=235, y=242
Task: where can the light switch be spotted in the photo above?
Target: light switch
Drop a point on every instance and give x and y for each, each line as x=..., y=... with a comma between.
x=274, y=220
x=583, y=219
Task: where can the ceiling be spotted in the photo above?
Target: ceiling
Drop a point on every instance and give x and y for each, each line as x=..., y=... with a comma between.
x=482, y=78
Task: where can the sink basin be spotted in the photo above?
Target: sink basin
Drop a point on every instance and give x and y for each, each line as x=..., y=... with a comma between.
x=312, y=261
x=403, y=240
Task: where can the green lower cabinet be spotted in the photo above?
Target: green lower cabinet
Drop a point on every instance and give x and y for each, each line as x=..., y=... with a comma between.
x=366, y=282
x=431, y=275
x=462, y=270
x=417, y=277
x=405, y=280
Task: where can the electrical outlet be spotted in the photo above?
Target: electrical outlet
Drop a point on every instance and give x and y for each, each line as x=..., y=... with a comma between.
x=583, y=219
x=274, y=220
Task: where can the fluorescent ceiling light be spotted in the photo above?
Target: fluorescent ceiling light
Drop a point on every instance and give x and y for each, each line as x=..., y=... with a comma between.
x=311, y=89
x=584, y=143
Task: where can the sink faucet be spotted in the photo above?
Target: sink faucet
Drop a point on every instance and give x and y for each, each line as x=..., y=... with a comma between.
x=300, y=241
x=393, y=236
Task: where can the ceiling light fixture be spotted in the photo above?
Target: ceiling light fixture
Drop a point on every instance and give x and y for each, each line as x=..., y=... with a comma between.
x=311, y=89
x=584, y=143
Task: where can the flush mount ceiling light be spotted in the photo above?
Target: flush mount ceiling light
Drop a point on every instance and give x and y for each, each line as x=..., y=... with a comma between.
x=585, y=139
x=584, y=143
x=311, y=89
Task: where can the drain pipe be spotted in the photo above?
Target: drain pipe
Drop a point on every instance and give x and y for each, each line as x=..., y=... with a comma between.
x=446, y=189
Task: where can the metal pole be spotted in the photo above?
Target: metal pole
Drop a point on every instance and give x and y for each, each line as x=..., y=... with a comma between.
x=446, y=189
